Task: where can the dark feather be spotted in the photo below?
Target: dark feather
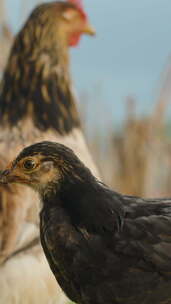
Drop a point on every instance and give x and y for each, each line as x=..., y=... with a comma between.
x=103, y=247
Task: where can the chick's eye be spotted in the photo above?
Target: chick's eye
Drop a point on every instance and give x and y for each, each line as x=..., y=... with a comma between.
x=29, y=164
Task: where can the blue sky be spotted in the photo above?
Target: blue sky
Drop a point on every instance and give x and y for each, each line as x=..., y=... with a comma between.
x=127, y=56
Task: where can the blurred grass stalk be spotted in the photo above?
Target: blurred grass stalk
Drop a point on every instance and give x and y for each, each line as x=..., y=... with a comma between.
x=136, y=159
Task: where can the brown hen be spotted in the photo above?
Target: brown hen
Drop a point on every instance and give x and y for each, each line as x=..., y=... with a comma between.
x=36, y=103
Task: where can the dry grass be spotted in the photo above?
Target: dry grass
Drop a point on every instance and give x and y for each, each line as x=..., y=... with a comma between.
x=137, y=159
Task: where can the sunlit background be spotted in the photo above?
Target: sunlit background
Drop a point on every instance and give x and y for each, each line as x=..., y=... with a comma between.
x=123, y=78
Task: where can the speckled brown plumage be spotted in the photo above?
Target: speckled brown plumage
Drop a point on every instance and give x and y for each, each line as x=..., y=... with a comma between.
x=37, y=78
x=102, y=246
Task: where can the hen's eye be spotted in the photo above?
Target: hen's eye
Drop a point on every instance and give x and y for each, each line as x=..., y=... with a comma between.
x=29, y=164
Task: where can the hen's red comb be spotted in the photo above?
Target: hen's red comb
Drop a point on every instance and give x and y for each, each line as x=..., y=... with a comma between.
x=79, y=4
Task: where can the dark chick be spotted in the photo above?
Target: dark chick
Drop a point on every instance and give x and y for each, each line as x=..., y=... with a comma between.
x=37, y=103
x=103, y=247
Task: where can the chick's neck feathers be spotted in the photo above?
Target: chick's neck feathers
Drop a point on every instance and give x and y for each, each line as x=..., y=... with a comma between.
x=87, y=203
x=37, y=84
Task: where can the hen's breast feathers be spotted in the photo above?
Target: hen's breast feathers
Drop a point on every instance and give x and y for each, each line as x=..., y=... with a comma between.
x=40, y=90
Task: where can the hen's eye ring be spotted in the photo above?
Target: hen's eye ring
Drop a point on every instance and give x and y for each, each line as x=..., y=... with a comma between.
x=29, y=164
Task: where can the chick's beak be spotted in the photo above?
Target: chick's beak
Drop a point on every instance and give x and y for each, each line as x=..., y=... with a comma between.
x=89, y=30
x=5, y=177
x=13, y=176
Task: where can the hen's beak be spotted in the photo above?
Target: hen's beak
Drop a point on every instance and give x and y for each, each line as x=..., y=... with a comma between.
x=89, y=30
